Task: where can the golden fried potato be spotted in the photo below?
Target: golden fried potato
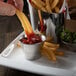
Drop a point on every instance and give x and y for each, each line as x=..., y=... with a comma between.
x=50, y=53
x=49, y=39
x=51, y=2
x=60, y=3
x=41, y=2
x=57, y=9
x=54, y=3
x=59, y=53
x=52, y=45
x=38, y=5
x=44, y=53
x=48, y=8
x=49, y=48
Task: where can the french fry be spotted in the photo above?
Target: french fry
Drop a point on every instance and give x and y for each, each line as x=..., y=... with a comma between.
x=24, y=21
x=51, y=45
x=59, y=53
x=19, y=16
x=54, y=3
x=41, y=2
x=44, y=1
x=50, y=53
x=53, y=56
x=48, y=6
x=44, y=53
x=49, y=39
x=51, y=1
x=37, y=3
x=57, y=9
x=35, y=6
x=50, y=48
x=40, y=17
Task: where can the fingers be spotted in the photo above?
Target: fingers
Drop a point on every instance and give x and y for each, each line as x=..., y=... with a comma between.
x=19, y=4
x=7, y=9
x=1, y=0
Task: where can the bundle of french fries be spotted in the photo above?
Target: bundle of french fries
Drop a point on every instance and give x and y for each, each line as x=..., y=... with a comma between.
x=25, y=22
x=50, y=50
x=50, y=6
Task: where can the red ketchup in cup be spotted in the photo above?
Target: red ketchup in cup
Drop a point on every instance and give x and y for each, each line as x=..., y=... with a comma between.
x=32, y=39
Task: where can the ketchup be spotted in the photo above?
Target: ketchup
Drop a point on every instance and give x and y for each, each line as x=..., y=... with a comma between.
x=31, y=39
x=41, y=27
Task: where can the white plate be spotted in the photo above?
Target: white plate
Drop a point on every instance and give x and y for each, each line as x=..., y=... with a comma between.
x=65, y=66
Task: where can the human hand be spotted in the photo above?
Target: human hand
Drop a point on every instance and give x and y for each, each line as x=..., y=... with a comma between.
x=9, y=9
